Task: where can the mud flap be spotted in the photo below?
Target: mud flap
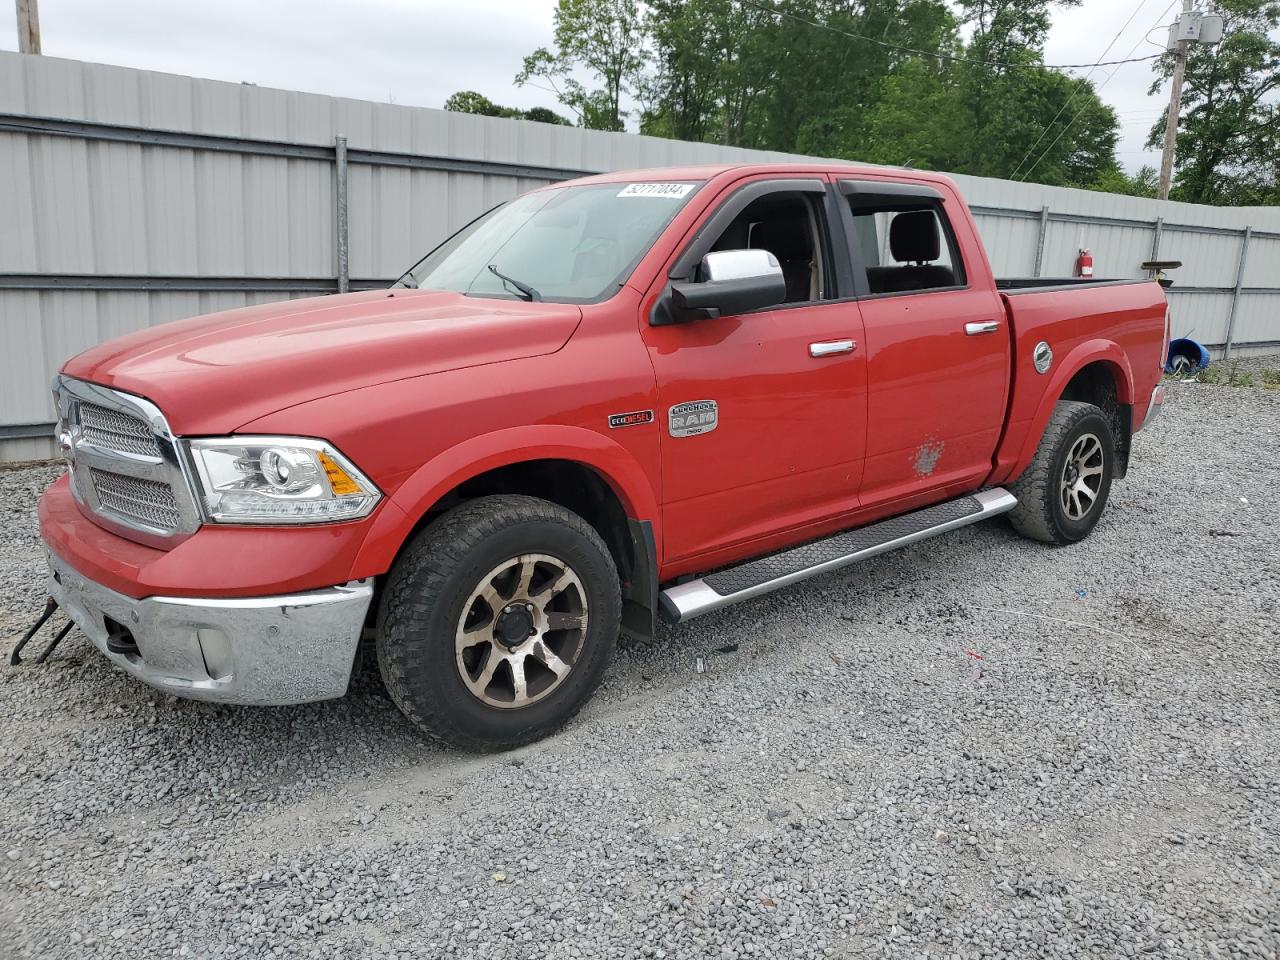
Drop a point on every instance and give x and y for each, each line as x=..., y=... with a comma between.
x=640, y=590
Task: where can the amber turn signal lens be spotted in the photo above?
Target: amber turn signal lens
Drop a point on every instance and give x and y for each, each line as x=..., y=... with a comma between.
x=340, y=481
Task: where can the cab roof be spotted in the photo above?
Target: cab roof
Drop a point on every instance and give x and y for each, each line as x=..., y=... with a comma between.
x=712, y=171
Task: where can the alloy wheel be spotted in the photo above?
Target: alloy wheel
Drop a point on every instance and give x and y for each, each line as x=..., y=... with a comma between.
x=521, y=631
x=1081, y=477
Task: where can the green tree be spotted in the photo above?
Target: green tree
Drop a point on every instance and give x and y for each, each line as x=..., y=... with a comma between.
x=468, y=101
x=1229, y=131
x=606, y=39
x=1044, y=127
x=1030, y=121
x=1003, y=29
x=831, y=85
x=711, y=64
x=545, y=115
x=779, y=74
x=1021, y=118
x=878, y=80
x=1141, y=184
x=917, y=121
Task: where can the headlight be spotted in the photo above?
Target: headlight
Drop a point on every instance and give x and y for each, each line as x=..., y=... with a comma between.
x=279, y=480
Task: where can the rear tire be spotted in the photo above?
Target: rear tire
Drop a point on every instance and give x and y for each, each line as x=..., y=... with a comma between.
x=498, y=621
x=1063, y=492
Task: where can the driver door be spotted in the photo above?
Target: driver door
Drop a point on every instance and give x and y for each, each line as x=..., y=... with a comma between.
x=762, y=415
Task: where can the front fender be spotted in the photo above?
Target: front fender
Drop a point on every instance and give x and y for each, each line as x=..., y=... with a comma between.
x=438, y=476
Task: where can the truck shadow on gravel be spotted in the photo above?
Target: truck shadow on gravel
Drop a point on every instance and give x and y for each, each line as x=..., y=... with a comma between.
x=118, y=738
x=153, y=754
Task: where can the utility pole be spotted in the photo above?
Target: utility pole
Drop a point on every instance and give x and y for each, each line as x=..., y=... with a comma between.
x=1175, y=105
x=28, y=27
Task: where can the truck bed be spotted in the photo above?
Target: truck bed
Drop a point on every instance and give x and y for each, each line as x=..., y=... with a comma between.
x=1120, y=322
x=1016, y=285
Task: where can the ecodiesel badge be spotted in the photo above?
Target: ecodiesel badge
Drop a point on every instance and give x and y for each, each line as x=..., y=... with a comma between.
x=632, y=419
x=693, y=418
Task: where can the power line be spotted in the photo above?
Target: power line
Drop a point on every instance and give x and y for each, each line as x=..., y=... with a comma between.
x=766, y=8
x=1078, y=90
x=1072, y=121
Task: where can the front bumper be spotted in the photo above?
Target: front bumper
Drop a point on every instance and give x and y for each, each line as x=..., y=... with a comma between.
x=293, y=648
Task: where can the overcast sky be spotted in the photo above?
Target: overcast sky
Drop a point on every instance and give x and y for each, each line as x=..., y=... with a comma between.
x=420, y=51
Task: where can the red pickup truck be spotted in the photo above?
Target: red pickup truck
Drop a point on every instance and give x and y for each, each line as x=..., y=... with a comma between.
x=631, y=396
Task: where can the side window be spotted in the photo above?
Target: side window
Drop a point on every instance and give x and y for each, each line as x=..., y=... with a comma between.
x=791, y=226
x=907, y=245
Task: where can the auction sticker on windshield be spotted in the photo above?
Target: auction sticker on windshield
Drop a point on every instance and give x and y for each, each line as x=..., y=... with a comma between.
x=673, y=190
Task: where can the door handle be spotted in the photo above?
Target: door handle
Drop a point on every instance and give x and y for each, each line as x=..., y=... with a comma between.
x=981, y=327
x=829, y=348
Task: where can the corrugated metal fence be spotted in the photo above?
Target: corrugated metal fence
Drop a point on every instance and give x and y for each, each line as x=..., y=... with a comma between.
x=130, y=198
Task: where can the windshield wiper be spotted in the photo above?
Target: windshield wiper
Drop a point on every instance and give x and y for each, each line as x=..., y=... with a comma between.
x=526, y=291
x=407, y=279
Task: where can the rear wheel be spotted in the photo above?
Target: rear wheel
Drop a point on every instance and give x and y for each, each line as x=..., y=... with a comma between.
x=1062, y=494
x=498, y=621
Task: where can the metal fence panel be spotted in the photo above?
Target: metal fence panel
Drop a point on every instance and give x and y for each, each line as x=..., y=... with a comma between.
x=1208, y=260
x=1200, y=315
x=1118, y=251
x=1010, y=242
x=1256, y=320
x=135, y=198
x=24, y=379
x=1263, y=266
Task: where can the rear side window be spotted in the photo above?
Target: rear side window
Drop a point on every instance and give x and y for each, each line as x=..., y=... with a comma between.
x=907, y=245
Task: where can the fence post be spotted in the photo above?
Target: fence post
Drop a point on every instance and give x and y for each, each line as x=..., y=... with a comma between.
x=1235, y=295
x=1044, y=229
x=340, y=212
x=1155, y=243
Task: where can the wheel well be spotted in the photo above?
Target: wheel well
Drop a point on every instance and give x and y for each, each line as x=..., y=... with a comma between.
x=581, y=489
x=1098, y=383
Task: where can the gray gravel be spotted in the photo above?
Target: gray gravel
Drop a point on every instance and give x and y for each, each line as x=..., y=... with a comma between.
x=979, y=747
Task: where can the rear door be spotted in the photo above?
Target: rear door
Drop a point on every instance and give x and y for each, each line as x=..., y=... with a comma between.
x=762, y=414
x=936, y=342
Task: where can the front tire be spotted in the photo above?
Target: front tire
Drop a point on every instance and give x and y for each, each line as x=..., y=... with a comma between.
x=498, y=621
x=1063, y=492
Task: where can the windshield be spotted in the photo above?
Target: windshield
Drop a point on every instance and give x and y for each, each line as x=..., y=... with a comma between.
x=567, y=244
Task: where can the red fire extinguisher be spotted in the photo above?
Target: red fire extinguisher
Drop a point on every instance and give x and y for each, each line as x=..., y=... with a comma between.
x=1084, y=263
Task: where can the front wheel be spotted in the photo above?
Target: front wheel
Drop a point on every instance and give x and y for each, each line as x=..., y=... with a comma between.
x=497, y=622
x=1062, y=494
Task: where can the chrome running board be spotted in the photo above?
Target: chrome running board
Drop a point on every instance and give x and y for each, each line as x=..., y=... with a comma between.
x=685, y=601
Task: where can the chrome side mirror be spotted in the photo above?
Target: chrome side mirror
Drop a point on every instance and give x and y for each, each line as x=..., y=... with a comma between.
x=729, y=282
x=721, y=265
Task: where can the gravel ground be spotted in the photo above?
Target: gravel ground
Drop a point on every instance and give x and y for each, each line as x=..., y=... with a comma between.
x=978, y=747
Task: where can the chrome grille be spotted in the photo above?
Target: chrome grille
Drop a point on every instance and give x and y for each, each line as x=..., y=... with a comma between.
x=142, y=501
x=113, y=430
x=127, y=470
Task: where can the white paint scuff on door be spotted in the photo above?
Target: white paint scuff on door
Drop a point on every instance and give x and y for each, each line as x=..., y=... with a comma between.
x=927, y=456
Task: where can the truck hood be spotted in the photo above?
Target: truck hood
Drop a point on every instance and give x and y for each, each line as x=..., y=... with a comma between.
x=214, y=373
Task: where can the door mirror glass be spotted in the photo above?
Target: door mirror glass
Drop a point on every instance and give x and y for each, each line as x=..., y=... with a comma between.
x=729, y=282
